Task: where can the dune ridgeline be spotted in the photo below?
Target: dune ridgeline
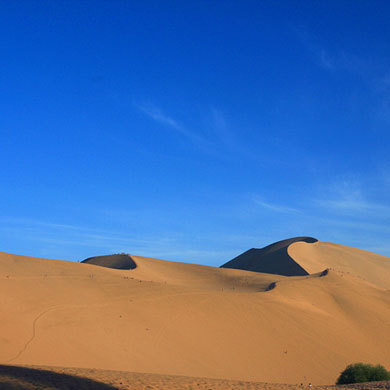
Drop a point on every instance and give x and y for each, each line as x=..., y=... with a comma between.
x=296, y=311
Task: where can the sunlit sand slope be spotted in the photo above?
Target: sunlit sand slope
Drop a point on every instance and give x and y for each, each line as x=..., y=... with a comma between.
x=184, y=319
x=320, y=255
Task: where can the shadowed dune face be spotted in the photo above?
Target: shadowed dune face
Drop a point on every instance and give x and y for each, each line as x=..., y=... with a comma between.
x=24, y=378
x=119, y=261
x=272, y=259
x=302, y=256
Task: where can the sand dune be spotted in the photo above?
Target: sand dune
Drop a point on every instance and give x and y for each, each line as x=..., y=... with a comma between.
x=320, y=255
x=118, y=261
x=305, y=255
x=183, y=319
x=273, y=259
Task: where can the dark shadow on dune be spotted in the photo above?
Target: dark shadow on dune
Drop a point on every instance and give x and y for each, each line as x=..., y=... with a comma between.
x=21, y=378
x=272, y=259
x=119, y=261
x=324, y=272
x=271, y=286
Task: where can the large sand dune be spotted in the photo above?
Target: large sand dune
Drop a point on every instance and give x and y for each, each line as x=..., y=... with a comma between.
x=273, y=259
x=320, y=255
x=183, y=319
x=305, y=255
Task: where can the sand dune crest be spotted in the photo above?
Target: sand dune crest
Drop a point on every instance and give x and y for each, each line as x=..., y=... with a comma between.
x=273, y=259
x=117, y=261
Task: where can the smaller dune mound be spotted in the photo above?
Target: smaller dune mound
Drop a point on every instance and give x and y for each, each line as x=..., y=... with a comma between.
x=272, y=259
x=118, y=261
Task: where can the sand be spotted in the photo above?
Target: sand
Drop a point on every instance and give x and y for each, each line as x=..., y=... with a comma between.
x=189, y=320
x=62, y=378
x=320, y=255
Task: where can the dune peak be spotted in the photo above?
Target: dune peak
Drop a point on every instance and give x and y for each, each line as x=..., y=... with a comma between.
x=272, y=259
x=116, y=261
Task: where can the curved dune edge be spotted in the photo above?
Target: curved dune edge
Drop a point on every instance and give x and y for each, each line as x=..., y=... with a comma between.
x=200, y=277
x=293, y=279
x=116, y=261
x=368, y=266
x=273, y=259
x=183, y=319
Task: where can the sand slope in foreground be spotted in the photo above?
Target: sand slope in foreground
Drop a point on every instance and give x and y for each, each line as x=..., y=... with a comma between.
x=184, y=319
x=65, y=378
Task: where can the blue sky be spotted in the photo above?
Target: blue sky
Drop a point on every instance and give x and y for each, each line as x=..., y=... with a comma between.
x=193, y=130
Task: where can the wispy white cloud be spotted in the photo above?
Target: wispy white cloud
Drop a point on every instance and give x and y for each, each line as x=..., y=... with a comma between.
x=341, y=61
x=274, y=207
x=55, y=238
x=332, y=60
x=348, y=198
x=159, y=116
x=324, y=59
x=30, y=222
x=215, y=137
x=354, y=205
x=62, y=234
x=226, y=137
x=156, y=114
x=320, y=55
x=220, y=127
x=353, y=225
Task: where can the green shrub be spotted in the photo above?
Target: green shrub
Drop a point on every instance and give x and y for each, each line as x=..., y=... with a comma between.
x=360, y=372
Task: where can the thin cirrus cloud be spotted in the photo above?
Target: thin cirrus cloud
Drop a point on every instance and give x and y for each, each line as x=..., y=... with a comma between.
x=319, y=54
x=378, y=82
x=349, y=198
x=160, y=117
x=45, y=231
x=217, y=135
x=325, y=60
x=332, y=60
x=156, y=114
x=221, y=128
x=346, y=205
x=274, y=207
x=226, y=137
x=87, y=241
x=354, y=225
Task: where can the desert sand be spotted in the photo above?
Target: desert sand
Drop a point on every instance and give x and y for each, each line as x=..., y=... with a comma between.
x=174, y=318
x=320, y=255
x=64, y=378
